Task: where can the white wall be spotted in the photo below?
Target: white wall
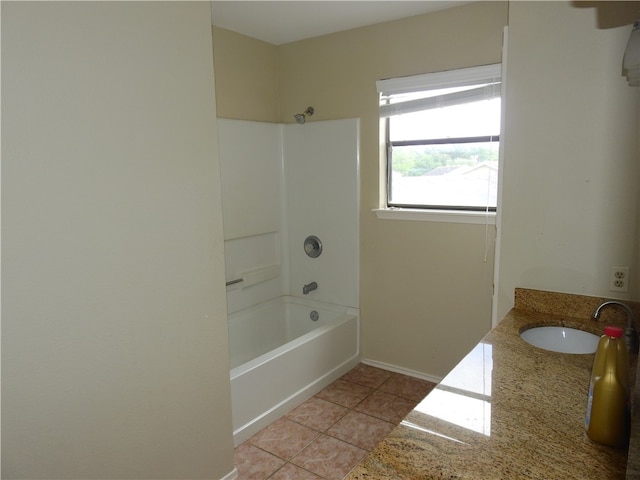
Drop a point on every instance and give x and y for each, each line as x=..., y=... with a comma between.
x=570, y=199
x=114, y=337
x=322, y=192
x=251, y=167
x=280, y=184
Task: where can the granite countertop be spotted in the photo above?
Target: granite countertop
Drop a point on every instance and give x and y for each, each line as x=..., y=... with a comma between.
x=508, y=410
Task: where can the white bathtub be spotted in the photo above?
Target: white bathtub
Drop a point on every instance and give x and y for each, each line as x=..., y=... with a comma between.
x=280, y=357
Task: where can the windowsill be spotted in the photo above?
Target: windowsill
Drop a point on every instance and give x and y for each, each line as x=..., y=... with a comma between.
x=447, y=216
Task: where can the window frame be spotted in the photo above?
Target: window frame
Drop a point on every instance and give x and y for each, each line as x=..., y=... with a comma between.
x=431, y=81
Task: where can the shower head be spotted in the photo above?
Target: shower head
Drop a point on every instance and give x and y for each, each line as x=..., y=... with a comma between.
x=301, y=117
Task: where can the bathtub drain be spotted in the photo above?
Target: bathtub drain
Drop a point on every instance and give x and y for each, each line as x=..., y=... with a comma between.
x=314, y=315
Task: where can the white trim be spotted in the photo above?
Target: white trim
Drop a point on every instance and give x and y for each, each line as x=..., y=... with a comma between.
x=503, y=139
x=449, y=78
x=232, y=475
x=446, y=216
x=402, y=370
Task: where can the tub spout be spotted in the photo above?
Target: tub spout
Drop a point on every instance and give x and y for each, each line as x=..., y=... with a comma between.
x=310, y=287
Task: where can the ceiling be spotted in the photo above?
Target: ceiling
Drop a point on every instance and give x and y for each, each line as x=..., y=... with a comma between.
x=279, y=22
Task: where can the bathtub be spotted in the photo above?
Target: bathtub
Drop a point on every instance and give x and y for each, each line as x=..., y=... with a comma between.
x=280, y=357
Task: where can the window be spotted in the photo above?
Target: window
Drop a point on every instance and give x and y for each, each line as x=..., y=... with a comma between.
x=443, y=132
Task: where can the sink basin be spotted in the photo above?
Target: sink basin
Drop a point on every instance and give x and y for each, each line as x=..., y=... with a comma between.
x=561, y=339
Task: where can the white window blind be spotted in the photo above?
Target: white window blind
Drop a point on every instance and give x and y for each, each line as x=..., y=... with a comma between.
x=428, y=81
x=484, y=80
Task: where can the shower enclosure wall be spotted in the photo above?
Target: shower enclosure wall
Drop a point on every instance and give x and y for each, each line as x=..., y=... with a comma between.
x=293, y=314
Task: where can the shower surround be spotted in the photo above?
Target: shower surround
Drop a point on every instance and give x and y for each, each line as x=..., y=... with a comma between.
x=280, y=185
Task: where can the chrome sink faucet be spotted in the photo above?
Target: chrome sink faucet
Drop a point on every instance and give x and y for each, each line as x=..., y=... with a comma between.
x=630, y=334
x=309, y=287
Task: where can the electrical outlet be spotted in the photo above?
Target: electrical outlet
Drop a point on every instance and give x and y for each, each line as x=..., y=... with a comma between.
x=619, y=279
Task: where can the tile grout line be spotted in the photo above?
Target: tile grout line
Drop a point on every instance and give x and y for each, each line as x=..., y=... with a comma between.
x=348, y=410
x=324, y=432
x=297, y=466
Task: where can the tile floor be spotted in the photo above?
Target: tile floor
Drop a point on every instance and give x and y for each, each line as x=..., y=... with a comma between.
x=326, y=436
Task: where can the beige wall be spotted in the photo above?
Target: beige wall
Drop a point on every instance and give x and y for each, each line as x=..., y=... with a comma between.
x=570, y=205
x=247, y=87
x=114, y=337
x=425, y=288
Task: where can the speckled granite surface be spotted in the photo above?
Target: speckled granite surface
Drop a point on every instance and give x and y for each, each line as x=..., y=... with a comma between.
x=508, y=410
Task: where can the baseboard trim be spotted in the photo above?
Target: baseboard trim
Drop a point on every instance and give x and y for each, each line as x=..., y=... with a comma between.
x=402, y=370
x=232, y=475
